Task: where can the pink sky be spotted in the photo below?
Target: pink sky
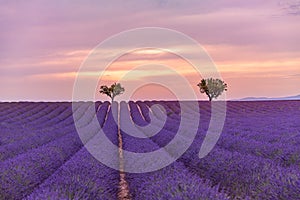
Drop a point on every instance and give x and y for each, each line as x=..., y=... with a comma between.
x=254, y=44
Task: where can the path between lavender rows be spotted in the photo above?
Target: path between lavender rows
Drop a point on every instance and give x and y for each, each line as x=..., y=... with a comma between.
x=42, y=157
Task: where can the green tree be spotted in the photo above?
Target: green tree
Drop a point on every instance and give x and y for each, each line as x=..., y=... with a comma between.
x=112, y=91
x=212, y=87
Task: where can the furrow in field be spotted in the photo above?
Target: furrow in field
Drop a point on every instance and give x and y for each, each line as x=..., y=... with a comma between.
x=82, y=176
x=21, y=118
x=15, y=109
x=240, y=185
x=17, y=134
x=43, y=136
x=24, y=172
x=172, y=182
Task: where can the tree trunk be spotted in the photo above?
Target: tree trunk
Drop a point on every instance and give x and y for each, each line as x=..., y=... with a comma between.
x=98, y=108
x=210, y=98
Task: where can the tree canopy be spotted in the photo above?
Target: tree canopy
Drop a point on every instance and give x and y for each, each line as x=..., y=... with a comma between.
x=212, y=87
x=112, y=91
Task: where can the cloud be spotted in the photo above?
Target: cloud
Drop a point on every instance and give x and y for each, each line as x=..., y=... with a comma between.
x=291, y=76
x=290, y=7
x=49, y=40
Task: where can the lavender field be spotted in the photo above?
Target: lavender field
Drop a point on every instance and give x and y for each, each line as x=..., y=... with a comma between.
x=256, y=157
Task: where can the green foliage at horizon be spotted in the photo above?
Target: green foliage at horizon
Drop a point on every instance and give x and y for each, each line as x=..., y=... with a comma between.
x=212, y=87
x=112, y=91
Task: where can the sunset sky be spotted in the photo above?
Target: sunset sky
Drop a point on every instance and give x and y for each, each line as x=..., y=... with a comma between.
x=255, y=45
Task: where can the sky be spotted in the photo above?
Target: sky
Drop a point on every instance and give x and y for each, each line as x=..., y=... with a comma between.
x=254, y=45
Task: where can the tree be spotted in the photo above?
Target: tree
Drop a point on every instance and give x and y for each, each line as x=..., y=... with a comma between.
x=112, y=91
x=212, y=87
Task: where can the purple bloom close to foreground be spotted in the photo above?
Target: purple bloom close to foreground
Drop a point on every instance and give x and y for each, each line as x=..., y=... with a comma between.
x=256, y=157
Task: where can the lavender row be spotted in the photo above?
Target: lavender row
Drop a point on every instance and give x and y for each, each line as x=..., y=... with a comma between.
x=52, y=110
x=245, y=175
x=142, y=144
x=42, y=136
x=53, y=117
x=39, y=138
x=18, y=117
x=244, y=184
x=24, y=172
x=172, y=182
x=266, y=121
x=285, y=154
x=9, y=106
x=13, y=133
x=8, y=109
x=82, y=176
x=20, y=108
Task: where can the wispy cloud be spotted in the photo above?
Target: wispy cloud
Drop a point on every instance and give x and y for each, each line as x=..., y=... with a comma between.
x=290, y=7
x=43, y=44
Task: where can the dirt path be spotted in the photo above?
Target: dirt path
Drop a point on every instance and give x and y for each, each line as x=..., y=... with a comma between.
x=123, y=193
